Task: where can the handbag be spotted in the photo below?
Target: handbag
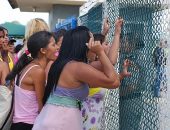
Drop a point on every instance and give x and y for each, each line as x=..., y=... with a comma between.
x=6, y=107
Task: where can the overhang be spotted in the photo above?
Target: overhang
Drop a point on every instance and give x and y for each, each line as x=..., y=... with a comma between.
x=41, y=5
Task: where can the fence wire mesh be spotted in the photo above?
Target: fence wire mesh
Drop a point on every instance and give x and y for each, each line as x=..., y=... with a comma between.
x=93, y=19
x=143, y=100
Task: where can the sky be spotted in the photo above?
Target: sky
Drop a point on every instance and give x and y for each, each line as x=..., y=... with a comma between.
x=7, y=14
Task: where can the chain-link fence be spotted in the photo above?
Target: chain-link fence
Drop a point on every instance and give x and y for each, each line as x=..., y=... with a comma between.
x=93, y=19
x=142, y=101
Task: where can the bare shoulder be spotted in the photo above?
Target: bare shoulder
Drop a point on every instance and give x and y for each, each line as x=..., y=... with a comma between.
x=79, y=69
x=75, y=65
x=37, y=71
x=70, y=72
x=38, y=75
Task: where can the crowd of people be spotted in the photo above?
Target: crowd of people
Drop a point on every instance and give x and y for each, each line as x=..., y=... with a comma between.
x=51, y=74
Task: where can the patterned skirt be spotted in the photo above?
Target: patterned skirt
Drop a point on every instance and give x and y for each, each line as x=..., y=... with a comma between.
x=92, y=111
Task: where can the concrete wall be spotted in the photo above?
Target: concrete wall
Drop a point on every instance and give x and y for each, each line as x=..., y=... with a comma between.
x=61, y=12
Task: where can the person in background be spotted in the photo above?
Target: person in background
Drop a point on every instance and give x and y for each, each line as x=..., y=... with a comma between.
x=58, y=35
x=11, y=45
x=58, y=39
x=5, y=55
x=4, y=70
x=160, y=62
x=29, y=76
x=16, y=52
x=18, y=48
x=33, y=26
x=1, y=41
x=92, y=110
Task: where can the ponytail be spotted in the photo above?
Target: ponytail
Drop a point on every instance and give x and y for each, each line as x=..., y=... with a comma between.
x=23, y=61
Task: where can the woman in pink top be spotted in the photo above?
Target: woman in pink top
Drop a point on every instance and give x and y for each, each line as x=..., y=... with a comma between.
x=29, y=75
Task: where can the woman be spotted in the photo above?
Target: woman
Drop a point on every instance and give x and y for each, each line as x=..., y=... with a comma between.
x=33, y=26
x=68, y=80
x=4, y=54
x=58, y=39
x=4, y=70
x=29, y=74
x=92, y=110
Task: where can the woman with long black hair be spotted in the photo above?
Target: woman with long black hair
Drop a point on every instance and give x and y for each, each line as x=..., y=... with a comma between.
x=69, y=79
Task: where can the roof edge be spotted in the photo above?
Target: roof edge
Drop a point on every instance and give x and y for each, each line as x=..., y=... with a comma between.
x=13, y=3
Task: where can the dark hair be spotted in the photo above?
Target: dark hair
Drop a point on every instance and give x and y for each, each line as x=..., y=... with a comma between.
x=59, y=34
x=18, y=48
x=1, y=28
x=5, y=29
x=11, y=42
x=73, y=48
x=35, y=43
x=99, y=37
